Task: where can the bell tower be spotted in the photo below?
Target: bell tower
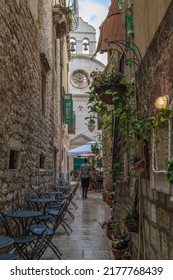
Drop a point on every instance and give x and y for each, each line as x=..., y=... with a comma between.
x=83, y=39
x=81, y=65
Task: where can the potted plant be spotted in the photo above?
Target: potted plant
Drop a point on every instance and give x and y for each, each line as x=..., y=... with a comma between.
x=127, y=256
x=110, y=227
x=132, y=218
x=91, y=125
x=105, y=195
x=117, y=171
x=119, y=248
x=108, y=86
x=110, y=199
x=119, y=234
x=169, y=173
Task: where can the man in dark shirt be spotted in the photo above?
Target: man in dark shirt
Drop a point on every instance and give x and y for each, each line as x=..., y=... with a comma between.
x=84, y=175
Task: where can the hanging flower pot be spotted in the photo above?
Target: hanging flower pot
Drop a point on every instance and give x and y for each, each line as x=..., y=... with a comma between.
x=91, y=124
x=91, y=127
x=109, y=91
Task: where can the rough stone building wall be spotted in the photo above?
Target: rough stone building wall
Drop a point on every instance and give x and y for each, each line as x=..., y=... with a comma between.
x=107, y=160
x=156, y=209
x=155, y=81
x=22, y=125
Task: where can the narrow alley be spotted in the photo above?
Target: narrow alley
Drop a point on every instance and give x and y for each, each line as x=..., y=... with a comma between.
x=86, y=94
x=88, y=240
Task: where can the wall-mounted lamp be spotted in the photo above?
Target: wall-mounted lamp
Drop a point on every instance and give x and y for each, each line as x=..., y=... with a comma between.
x=162, y=102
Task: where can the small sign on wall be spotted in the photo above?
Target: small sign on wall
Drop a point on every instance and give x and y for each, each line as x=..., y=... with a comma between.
x=68, y=109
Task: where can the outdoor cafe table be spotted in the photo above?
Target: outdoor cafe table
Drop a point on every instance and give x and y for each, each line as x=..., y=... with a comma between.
x=24, y=241
x=64, y=188
x=25, y=217
x=53, y=193
x=44, y=202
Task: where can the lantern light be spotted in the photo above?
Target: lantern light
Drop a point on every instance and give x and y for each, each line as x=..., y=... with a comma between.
x=162, y=102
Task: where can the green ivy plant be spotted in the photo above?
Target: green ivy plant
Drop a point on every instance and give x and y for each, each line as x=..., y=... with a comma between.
x=102, y=82
x=132, y=123
x=116, y=171
x=162, y=116
x=169, y=173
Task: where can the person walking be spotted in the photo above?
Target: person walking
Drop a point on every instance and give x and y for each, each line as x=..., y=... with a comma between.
x=85, y=177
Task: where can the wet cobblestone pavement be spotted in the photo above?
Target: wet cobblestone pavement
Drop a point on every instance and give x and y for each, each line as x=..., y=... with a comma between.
x=87, y=241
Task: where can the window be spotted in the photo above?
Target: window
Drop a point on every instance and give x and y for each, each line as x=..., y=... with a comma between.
x=80, y=78
x=42, y=162
x=71, y=127
x=43, y=92
x=45, y=68
x=14, y=159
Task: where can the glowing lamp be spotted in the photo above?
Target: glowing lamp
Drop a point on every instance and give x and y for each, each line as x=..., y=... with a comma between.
x=162, y=102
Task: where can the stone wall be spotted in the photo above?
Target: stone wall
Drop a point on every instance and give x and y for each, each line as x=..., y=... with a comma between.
x=155, y=78
x=150, y=14
x=22, y=125
x=107, y=160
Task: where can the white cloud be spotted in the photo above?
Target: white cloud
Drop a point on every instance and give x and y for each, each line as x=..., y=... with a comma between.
x=93, y=13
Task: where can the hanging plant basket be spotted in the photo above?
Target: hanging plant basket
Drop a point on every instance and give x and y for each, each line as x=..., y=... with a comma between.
x=91, y=127
x=107, y=96
x=132, y=226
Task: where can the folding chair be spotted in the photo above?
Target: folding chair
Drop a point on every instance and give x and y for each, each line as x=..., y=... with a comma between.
x=49, y=232
x=22, y=242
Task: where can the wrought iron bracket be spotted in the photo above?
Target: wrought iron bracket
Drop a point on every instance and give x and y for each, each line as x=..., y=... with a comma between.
x=126, y=46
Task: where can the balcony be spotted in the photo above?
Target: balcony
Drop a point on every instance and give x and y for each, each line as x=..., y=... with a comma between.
x=65, y=17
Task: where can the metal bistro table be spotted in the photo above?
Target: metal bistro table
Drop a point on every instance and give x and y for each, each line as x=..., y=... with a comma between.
x=53, y=193
x=25, y=217
x=42, y=203
x=27, y=245
x=5, y=242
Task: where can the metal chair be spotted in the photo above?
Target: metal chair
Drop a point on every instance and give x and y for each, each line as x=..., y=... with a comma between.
x=57, y=216
x=5, y=244
x=26, y=245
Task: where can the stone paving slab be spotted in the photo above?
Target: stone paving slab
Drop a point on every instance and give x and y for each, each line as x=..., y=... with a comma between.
x=87, y=241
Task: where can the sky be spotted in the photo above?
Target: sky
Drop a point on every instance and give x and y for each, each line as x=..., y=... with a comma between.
x=94, y=12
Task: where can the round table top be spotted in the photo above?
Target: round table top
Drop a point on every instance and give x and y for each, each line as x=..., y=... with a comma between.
x=24, y=214
x=5, y=241
x=42, y=200
x=53, y=192
x=64, y=187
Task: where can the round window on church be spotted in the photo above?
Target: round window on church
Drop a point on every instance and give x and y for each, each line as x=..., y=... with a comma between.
x=80, y=78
